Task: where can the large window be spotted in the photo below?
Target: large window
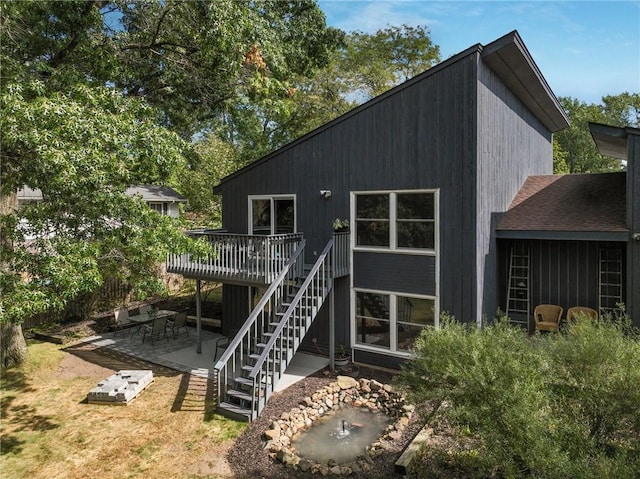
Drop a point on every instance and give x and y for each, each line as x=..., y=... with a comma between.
x=391, y=322
x=396, y=220
x=272, y=215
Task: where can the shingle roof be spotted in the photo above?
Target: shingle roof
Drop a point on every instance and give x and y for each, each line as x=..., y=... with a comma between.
x=155, y=193
x=585, y=202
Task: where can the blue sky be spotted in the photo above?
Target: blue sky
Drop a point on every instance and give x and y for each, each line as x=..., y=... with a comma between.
x=585, y=49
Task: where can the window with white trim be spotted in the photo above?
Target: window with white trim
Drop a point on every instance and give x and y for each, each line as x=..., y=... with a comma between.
x=160, y=207
x=271, y=215
x=395, y=220
x=391, y=321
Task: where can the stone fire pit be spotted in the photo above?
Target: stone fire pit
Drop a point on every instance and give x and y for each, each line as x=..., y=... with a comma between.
x=366, y=393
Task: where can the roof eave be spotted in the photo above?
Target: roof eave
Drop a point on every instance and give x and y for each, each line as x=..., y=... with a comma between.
x=554, y=235
x=509, y=58
x=611, y=140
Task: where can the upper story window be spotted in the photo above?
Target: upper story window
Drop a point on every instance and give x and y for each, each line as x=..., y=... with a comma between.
x=272, y=215
x=396, y=220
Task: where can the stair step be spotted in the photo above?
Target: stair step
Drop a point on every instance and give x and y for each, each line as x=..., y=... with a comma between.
x=239, y=394
x=247, y=382
x=234, y=411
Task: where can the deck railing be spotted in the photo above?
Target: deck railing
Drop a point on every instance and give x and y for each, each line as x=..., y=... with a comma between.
x=289, y=333
x=236, y=257
x=341, y=257
x=246, y=340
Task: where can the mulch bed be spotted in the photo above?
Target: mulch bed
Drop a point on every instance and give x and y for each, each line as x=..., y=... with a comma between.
x=249, y=460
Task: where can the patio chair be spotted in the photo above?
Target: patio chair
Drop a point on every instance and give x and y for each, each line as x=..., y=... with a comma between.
x=145, y=308
x=177, y=322
x=547, y=317
x=580, y=312
x=154, y=330
x=121, y=320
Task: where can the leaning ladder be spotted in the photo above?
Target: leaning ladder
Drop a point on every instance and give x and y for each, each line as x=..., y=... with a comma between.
x=518, y=305
x=610, y=280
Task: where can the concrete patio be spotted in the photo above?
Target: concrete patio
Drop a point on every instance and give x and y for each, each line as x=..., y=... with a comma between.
x=180, y=353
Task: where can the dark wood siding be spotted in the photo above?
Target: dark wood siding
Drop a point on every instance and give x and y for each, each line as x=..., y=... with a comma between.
x=235, y=307
x=633, y=221
x=421, y=136
x=512, y=145
x=403, y=273
x=562, y=272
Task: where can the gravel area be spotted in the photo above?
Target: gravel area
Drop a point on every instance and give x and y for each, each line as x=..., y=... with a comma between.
x=249, y=460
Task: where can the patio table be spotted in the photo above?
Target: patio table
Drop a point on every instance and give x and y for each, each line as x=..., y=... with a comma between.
x=146, y=318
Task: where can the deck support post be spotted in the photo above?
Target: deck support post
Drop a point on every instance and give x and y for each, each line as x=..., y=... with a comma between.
x=199, y=316
x=332, y=311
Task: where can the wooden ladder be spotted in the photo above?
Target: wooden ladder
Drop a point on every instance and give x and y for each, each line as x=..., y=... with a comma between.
x=518, y=294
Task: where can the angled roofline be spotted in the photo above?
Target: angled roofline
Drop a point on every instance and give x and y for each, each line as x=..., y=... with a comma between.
x=612, y=140
x=368, y=104
x=510, y=59
x=506, y=56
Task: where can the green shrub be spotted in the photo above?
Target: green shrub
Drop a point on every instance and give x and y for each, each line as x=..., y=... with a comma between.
x=546, y=406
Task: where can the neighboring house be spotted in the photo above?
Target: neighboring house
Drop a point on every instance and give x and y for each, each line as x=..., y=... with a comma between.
x=162, y=199
x=441, y=179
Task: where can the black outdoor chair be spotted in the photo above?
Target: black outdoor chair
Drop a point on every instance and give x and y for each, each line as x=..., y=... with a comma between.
x=176, y=323
x=154, y=330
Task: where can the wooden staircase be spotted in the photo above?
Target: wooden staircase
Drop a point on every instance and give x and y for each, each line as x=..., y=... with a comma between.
x=260, y=352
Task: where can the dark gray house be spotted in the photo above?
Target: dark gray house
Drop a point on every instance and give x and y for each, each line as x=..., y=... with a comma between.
x=424, y=174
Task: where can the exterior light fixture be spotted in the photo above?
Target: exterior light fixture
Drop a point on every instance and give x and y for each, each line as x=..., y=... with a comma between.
x=325, y=193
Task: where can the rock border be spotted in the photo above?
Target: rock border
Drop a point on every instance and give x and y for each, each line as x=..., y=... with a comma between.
x=369, y=393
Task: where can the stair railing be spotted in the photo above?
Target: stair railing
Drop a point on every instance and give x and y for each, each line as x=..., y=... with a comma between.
x=288, y=335
x=229, y=366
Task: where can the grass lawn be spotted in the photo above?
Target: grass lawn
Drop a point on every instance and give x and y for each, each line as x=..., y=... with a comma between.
x=48, y=430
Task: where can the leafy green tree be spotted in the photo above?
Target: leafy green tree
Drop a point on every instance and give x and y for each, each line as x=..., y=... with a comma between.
x=560, y=166
x=188, y=59
x=575, y=145
x=87, y=88
x=82, y=149
x=364, y=66
x=374, y=63
x=215, y=159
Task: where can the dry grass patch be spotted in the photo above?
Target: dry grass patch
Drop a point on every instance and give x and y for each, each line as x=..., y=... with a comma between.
x=50, y=431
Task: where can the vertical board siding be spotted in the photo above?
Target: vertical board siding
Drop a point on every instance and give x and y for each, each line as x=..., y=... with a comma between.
x=633, y=222
x=562, y=272
x=404, y=273
x=419, y=137
x=512, y=145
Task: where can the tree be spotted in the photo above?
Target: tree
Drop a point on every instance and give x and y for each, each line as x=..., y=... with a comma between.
x=82, y=150
x=188, y=59
x=215, y=159
x=374, y=63
x=88, y=89
x=364, y=66
x=575, y=145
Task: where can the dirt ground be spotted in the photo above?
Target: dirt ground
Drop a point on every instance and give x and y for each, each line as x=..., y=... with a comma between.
x=170, y=430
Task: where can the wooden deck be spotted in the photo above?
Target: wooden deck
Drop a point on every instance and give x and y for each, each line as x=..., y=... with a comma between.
x=250, y=259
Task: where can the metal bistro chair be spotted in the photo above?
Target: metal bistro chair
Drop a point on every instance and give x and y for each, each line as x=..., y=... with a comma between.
x=155, y=329
x=547, y=317
x=178, y=321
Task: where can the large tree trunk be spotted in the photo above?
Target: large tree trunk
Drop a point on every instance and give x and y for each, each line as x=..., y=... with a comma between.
x=13, y=347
